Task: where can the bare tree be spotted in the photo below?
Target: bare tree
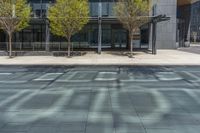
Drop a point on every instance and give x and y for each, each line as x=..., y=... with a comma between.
x=132, y=14
x=14, y=16
x=70, y=20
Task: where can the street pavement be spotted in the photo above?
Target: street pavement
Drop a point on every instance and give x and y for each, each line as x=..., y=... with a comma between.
x=99, y=99
x=194, y=48
x=163, y=57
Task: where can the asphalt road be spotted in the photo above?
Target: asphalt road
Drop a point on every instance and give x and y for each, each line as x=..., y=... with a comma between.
x=106, y=99
x=195, y=49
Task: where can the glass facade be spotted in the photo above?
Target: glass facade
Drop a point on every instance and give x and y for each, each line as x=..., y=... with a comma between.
x=38, y=35
x=195, y=22
x=88, y=38
x=188, y=27
x=107, y=8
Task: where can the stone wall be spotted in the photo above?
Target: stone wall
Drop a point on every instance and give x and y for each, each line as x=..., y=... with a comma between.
x=166, y=31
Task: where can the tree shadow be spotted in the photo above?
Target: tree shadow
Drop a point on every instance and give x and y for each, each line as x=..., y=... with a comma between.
x=64, y=54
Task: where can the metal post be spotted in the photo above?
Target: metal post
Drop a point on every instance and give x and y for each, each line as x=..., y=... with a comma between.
x=47, y=37
x=99, y=37
x=153, y=38
x=100, y=28
x=154, y=48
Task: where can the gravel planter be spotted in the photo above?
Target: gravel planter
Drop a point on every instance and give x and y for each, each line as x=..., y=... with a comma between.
x=3, y=53
x=42, y=53
x=63, y=53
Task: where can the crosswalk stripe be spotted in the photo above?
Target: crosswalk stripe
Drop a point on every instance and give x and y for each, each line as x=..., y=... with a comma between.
x=48, y=77
x=5, y=73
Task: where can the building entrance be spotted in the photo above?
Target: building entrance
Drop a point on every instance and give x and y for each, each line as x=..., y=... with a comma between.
x=119, y=38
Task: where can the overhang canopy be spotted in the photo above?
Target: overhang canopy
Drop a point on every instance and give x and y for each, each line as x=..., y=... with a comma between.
x=185, y=2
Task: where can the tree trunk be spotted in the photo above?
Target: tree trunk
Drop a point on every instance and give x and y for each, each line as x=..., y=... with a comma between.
x=68, y=47
x=10, y=45
x=131, y=44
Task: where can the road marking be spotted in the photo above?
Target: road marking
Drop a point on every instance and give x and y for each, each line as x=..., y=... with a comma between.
x=48, y=77
x=13, y=82
x=138, y=80
x=77, y=76
x=13, y=97
x=167, y=76
x=5, y=74
x=106, y=76
x=196, y=78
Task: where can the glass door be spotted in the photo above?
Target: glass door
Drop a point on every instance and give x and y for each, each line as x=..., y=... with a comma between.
x=119, y=38
x=93, y=36
x=106, y=38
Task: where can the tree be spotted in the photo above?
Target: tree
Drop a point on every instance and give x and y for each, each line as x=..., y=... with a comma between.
x=14, y=16
x=67, y=17
x=132, y=14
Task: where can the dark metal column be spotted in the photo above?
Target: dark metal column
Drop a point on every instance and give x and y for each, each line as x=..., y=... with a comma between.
x=99, y=36
x=154, y=21
x=47, y=36
x=100, y=28
x=154, y=47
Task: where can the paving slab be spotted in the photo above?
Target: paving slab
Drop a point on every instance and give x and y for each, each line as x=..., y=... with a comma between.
x=129, y=128
x=17, y=127
x=163, y=57
x=161, y=131
x=159, y=99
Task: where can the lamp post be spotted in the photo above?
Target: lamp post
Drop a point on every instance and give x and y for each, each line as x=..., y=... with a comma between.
x=100, y=28
x=47, y=47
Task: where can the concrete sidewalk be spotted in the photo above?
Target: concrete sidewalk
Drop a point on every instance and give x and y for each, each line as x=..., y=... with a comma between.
x=164, y=57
